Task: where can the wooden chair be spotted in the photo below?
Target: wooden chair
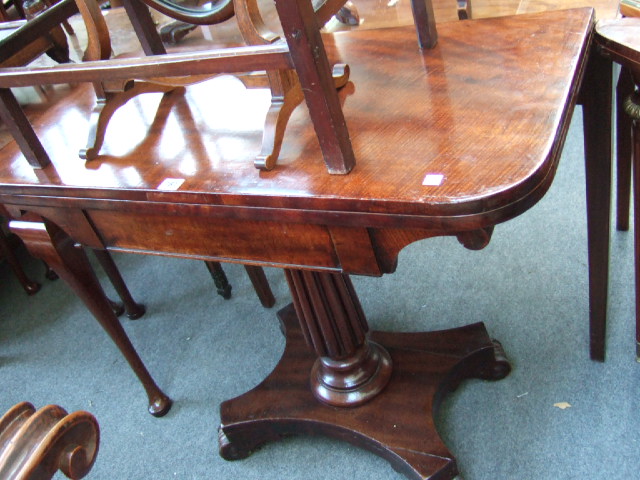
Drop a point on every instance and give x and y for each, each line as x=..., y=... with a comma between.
x=27, y=41
x=303, y=53
x=34, y=445
x=285, y=88
x=619, y=40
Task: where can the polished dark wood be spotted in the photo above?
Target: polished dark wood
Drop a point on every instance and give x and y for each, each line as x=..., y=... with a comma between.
x=55, y=247
x=618, y=42
x=624, y=88
x=596, y=103
x=7, y=252
x=35, y=444
x=133, y=309
x=282, y=405
x=27, y=41
x=444, y=146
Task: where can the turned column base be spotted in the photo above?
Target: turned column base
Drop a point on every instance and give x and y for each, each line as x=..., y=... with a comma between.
x=352, y=381
x=396, y=424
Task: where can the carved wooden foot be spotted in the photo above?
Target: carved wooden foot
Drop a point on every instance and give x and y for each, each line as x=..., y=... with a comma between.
x=397, y=424
x=282, y=106
x=219, y=279
x=107, y=105
x=36, y=444
x=55, y=247
x=287, y=95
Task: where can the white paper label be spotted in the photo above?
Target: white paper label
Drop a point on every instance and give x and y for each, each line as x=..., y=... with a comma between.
x=433, y=179
x=171, y=184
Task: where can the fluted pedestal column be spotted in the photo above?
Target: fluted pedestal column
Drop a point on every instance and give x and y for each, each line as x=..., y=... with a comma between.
x=377, y=390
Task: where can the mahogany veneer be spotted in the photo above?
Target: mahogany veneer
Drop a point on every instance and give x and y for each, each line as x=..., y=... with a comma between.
x=449, y=141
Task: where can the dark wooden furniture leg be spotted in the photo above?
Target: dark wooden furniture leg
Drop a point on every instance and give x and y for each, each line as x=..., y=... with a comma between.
x=624, y=88
x=256, y=275
x=261, y=285
x=52, y=245
x=20, y=128
x=219, y=279
x=596, y=101
x=29, y=285
x=133, y=309
x=636, y=217
x=376, y=390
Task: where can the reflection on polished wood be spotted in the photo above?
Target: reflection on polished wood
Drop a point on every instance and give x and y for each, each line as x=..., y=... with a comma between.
x=373, y=14
x=450, y=141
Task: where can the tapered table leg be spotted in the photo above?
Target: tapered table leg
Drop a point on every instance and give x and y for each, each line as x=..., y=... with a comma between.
x=596, y=102
x=624, y=88
x=55, y=247
x=377, y=390
x=133, y=309
x=260, y=285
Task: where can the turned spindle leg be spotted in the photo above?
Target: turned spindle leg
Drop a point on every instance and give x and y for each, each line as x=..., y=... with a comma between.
x=55, y=247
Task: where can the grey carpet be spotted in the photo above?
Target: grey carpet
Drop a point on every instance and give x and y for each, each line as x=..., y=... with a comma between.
x=529, y=286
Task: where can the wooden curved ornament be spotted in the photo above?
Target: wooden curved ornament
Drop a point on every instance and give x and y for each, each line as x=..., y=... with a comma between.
x=286, y=95
x=476, y=239
x=107, y=105
x=34, y=445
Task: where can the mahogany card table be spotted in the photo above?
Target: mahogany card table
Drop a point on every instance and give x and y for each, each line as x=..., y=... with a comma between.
x=449, y=141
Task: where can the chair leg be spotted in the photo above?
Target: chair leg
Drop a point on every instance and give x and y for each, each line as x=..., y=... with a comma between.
x=219, y=279
x=261, y=285
x=624, y=88
x=29, y=285
x=256, y=275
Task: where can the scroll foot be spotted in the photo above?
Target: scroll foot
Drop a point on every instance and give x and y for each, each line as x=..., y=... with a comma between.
x=38, y=443
x=229, y=450
x=499, y=368
x=31, y=287
x=282, y=106
x=117, y=307
x=173, y=32
x=397, y=424
x=107, y=106
x=275, y=125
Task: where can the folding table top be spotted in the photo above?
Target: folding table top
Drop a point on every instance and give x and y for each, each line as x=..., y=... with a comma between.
x=473, y=127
